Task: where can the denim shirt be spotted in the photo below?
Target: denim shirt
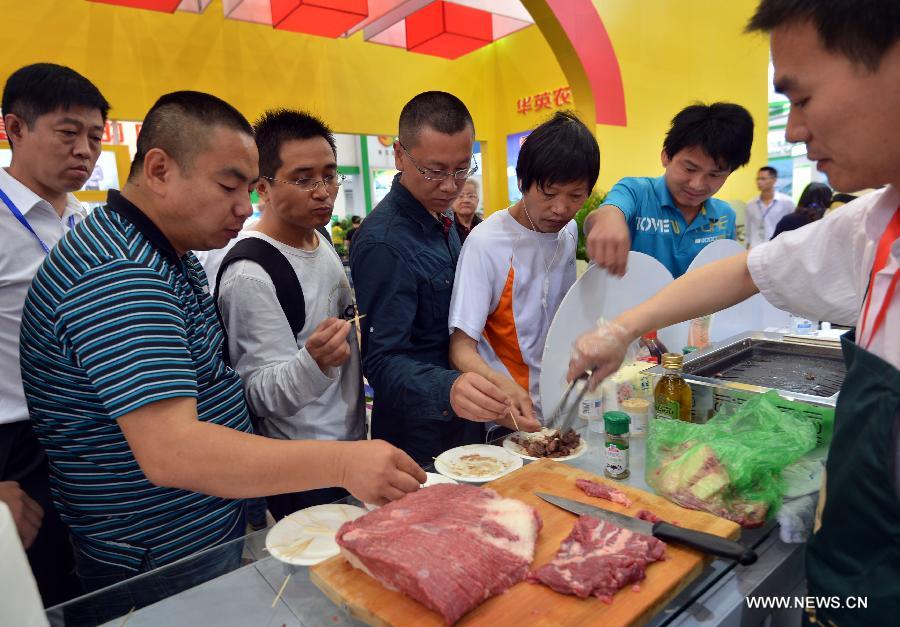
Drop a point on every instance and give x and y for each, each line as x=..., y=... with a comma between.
x=403, y=265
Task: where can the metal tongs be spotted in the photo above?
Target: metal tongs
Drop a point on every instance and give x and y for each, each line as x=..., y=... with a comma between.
x=566, y=412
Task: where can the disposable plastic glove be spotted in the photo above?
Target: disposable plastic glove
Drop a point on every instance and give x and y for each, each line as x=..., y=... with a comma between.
x=601, y=350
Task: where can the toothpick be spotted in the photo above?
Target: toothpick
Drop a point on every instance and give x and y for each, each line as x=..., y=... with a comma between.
x=281, y=590
x=298, y=547
x=128, y=616
x=357, y=318
x=511, y=415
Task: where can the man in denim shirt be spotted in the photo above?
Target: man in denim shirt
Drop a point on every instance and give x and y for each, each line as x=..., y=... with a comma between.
x=403, y=262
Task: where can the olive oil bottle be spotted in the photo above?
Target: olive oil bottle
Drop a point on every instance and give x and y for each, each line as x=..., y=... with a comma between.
x=672, y=394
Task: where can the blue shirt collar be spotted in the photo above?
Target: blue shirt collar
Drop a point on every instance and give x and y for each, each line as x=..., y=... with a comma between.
x=662, y=192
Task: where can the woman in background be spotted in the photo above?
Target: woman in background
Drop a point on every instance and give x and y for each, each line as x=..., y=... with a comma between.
x=814, y=200
x=464, y=209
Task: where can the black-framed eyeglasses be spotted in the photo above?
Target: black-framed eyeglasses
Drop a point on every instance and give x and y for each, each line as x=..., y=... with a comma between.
x=331, y=182
x=440, y=175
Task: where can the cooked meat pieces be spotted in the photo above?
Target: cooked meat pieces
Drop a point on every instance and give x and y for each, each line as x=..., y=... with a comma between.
x=598, y=559
x=552, y=444
x=447, y=546
x=592, y=488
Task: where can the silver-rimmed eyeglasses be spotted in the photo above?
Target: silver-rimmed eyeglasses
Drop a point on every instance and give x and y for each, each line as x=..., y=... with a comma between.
x=440, y=175
x=331, y=182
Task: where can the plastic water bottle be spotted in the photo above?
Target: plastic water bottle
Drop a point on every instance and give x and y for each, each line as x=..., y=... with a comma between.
x=801, y=325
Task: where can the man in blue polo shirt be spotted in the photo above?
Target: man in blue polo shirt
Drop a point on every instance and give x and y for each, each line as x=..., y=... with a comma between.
x=673, y=217
x=144, y=423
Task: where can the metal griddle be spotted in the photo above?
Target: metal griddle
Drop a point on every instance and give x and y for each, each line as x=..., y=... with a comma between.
x=806, y=371
x=797, y=368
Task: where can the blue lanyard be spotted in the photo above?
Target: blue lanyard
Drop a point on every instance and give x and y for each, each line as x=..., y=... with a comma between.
x=21, y=218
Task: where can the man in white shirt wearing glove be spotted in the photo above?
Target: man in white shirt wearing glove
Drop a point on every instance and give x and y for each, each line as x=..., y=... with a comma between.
x=838, y=62
x=308, y=386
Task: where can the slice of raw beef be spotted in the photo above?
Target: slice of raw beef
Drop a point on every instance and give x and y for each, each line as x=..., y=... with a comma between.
x=592, y=488
x=599, y=558
x=447, y=546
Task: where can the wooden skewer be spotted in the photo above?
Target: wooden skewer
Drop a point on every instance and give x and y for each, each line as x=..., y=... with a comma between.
x=281, y=590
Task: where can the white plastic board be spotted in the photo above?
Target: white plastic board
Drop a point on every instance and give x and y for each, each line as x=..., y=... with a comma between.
x=597, y=294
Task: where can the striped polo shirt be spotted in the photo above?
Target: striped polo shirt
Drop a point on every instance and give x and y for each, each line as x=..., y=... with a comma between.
x=115, y=320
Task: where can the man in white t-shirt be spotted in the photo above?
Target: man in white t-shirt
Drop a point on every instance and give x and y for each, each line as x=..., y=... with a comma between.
x=308, y=386
x=518, y=264
x=764, y=211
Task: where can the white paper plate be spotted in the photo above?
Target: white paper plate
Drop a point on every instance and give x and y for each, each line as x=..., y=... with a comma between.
x=448, y=463
x=516, y=449
x=306, y=537
x=433, y=478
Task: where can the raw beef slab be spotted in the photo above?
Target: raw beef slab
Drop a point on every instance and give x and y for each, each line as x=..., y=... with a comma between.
x=599, y=558
x=447, y=546
x=592, y=488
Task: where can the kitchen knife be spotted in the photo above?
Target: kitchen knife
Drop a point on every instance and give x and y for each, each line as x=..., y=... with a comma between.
x=706, y=542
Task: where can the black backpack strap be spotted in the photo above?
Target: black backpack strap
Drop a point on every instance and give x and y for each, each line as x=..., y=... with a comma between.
x=279, y=269
x=323, y=230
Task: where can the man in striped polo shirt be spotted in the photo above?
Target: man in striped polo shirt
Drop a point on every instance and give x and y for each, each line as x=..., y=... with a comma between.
x=145, y=425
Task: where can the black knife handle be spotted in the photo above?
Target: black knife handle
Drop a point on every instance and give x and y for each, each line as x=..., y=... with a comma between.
x=705, y=542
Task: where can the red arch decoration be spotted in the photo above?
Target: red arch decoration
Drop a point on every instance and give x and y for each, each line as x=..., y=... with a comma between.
x=587, y=34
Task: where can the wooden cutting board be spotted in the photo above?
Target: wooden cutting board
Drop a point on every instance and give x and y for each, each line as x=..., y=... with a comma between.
x=533, y=604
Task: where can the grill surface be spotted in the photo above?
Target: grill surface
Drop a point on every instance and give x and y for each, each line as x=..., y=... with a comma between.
x=776, y=365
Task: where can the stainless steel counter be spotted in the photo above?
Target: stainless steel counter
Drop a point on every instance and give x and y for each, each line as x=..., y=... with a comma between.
x=245, y=595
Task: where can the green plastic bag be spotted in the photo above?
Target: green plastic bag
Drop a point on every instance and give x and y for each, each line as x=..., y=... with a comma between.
x=731, y=466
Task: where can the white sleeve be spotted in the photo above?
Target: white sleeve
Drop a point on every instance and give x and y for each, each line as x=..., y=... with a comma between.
x=819, y=270
x=279, y=378
x=473, y=296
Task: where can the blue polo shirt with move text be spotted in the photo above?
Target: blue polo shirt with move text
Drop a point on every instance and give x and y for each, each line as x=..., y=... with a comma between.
x=657, y=227
x=115, y=319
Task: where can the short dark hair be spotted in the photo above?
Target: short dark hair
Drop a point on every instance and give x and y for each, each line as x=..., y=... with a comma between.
x=770, y=170
x=439, y=110
x=723, y=130
x=276, y=127
x=355, y=220
x=561, y=150
x=179, y=123
x=41, y=88
x=861, y=30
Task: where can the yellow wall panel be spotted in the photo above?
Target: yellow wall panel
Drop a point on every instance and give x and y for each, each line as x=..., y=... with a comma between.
x=671, y=53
